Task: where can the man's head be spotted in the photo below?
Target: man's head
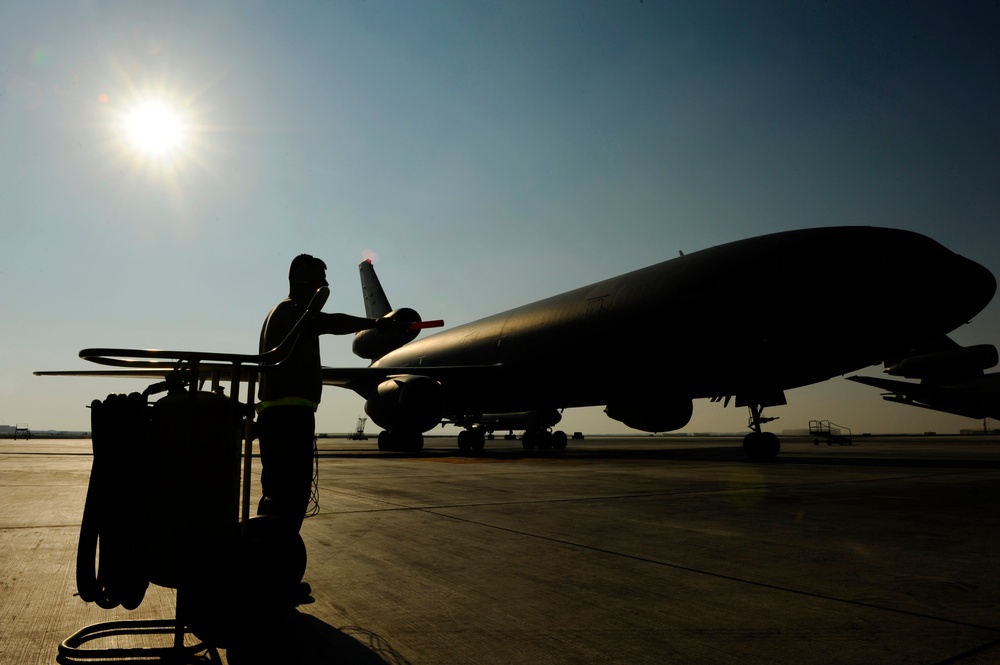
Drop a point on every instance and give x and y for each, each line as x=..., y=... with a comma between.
x=305, y=275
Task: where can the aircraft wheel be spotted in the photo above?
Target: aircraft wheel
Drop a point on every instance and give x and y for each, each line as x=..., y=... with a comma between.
x=529, y=441
x=544, y=440
x=559, y=440
x=385, y=440
x=478, y=441
x=464, y=444
x=411, y=443
x=761, y=446
x=407, y=442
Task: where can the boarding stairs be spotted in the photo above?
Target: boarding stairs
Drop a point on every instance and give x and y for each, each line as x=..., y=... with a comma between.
x=359, y=431
x=832, y=433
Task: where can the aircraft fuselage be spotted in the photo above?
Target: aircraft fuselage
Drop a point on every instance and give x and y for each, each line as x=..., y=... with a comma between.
x=746, y=318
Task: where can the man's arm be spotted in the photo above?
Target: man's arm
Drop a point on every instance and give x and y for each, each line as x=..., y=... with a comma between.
x=345, y=324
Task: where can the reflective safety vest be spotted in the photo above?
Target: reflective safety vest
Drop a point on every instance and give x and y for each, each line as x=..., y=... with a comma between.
x=286, y=401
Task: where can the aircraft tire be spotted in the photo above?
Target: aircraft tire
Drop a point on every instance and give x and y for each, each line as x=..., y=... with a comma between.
x=762, y=446
x=464, y=442
x=410, y=442
x=404, y=442
x=559, y=440
x=478, y=441
x=529, y=441
x=544, y=441
x=385, y=440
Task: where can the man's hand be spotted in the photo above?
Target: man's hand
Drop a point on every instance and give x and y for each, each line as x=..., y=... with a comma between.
x=388, y=326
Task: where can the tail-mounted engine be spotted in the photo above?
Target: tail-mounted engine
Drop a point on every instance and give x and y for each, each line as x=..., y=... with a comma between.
x=408, y=403
x=372, y=345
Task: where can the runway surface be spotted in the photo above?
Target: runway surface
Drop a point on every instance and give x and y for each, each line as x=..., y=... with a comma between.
x=619, y=550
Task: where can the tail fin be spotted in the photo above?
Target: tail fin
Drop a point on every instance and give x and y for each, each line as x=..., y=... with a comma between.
x=376, y=304
x=371, y=344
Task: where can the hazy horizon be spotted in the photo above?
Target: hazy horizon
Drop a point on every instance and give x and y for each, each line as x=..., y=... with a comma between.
x=485, y=156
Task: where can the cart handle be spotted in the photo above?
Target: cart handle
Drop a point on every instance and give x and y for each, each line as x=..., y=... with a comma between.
x=144, y=358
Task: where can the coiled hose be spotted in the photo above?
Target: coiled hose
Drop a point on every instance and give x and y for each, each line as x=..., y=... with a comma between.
x=112, y=515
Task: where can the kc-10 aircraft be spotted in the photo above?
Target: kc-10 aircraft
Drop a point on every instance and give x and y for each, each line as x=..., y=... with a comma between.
x=742, y=322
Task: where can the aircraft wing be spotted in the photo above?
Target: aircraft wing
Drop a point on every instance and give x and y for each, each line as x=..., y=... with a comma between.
x=973, y=399
x=206, y=371
x=361, y=378
x=121, y=373
x=352, y=378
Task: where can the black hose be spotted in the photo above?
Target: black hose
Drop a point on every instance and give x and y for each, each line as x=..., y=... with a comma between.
x=112, y=517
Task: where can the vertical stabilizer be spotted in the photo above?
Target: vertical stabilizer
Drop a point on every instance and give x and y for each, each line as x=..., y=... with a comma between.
x=376, y=304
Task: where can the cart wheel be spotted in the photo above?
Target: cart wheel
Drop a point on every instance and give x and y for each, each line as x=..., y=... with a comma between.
x=245, y=585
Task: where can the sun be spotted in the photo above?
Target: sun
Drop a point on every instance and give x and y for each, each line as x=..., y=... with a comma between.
x=154, y=129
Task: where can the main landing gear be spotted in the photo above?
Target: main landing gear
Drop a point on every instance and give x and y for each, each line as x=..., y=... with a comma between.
x=402, y=442
x=472, y=439
x=544, y=440
x=760, y=446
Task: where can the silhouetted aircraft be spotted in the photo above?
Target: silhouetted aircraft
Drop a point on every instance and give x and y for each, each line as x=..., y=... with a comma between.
x=741, y=322
x=478, y=426
x=951, y=377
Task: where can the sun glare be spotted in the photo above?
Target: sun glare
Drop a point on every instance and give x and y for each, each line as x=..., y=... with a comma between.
x=154, y=129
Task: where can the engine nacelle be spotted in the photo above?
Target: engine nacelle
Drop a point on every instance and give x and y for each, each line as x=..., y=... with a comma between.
x=372, y=345
x=409, y=403
x=663, y=415
x=959, y=363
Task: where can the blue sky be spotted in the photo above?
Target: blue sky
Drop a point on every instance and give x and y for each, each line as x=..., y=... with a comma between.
x=489, y=154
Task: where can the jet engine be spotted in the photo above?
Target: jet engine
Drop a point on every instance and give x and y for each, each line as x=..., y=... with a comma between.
x=663, y=415
x=962, y=362
x=372, y=345
x=408, y=403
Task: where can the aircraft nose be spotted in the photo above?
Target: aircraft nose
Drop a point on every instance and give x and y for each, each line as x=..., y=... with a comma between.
x=979, y=283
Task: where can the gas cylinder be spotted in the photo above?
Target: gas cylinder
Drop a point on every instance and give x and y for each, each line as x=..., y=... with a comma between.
x=192, y=498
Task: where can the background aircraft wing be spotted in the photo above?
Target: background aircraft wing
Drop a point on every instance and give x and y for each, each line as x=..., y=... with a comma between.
x=973, y=399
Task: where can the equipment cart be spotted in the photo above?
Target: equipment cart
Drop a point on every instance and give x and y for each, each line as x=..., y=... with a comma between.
x=169, y=504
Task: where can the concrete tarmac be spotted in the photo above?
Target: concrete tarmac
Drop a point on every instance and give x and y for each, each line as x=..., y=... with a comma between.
x=619, y=550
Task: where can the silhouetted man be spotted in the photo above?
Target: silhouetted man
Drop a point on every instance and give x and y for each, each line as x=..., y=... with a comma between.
x=290, y=393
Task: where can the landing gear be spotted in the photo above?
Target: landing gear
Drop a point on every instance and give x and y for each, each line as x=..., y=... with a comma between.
x=760, y=446
x=471, y=439
x=544, y=440
x=405, y=442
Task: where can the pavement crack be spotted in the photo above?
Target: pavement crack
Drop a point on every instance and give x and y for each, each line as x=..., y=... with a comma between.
x=709, y=573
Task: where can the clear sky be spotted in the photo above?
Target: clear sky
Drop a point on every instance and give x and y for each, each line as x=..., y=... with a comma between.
x=487, y=154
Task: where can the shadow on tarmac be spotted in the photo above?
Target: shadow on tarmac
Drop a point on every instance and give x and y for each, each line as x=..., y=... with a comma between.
x=305, y=640
x=729, y=453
